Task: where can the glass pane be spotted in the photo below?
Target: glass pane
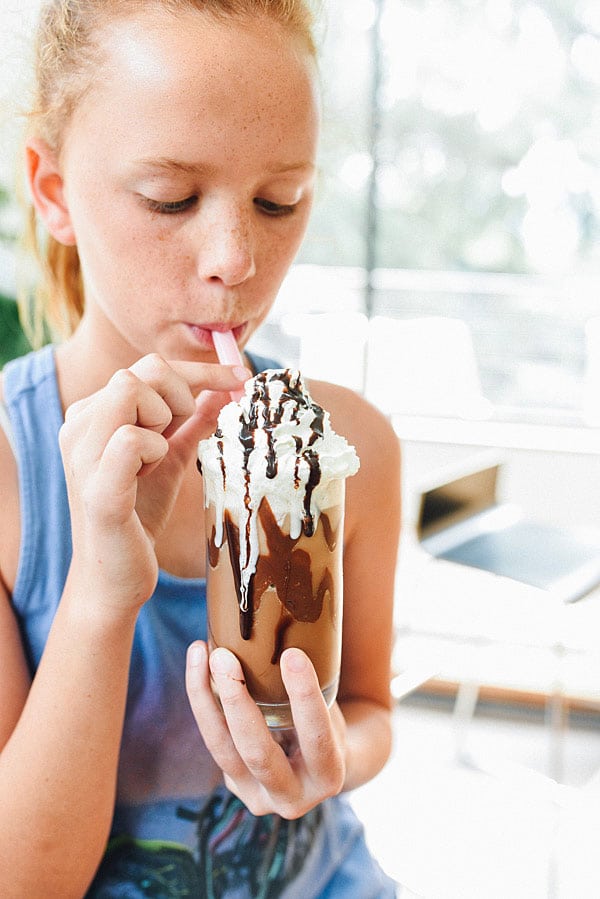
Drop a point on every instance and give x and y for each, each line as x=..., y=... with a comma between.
x=336, y=235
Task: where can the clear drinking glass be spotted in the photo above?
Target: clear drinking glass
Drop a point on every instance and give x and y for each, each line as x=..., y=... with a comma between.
x=295, y=598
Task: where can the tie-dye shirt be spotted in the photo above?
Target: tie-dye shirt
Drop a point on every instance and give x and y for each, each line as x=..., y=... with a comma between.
x=176, y=830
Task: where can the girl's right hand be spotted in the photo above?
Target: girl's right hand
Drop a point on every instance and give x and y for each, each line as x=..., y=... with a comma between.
x=125, y=450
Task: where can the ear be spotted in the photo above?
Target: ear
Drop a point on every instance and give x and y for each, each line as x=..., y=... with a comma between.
x=47, y=191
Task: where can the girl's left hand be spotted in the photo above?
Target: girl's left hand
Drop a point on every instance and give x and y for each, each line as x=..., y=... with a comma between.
x=254, y=765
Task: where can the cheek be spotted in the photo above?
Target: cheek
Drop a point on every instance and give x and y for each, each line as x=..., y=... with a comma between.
x=272, y=265
x=112, y=246
x=120, y=272
x=100, y=232
x=280, y=249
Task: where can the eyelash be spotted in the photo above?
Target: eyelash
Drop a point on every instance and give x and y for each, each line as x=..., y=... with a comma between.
x=170, y=208
x=275, y=210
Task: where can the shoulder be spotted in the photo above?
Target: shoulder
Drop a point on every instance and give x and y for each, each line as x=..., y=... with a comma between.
x=376, y=487
x=358, y=420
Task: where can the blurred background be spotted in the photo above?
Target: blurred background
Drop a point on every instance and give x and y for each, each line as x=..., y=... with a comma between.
x=460, y=179
x=451, y=273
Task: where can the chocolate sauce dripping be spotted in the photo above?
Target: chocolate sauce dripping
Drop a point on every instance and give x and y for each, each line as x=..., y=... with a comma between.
x=285, y=620
x=284, y=568
x=280, y=632
x=213, y=549
x=223, y=468
x=328, y=532
x=289, y=394
x=271, y=471
x=272, y=416
x=296, y=396
x=233, y=545
x=248, y=442
x=317, y=424
x=314, y=476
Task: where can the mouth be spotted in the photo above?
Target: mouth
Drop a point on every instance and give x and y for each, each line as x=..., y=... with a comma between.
x=202, y=333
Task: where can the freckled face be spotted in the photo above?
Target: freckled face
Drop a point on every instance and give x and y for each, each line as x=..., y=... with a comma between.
x=188, y=172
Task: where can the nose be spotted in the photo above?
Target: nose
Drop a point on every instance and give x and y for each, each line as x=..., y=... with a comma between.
x=226, y=246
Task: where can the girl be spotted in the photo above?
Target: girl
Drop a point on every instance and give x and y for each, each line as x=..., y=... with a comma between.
x=171, y=159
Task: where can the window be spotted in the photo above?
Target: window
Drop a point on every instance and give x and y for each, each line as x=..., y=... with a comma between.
x=474, y=129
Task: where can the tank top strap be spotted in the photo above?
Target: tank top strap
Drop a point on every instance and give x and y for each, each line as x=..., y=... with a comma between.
x=35, y=416
x=6, y=427
x=261, y=363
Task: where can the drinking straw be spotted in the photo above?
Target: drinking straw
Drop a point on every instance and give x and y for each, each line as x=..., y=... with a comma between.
x=229, y=354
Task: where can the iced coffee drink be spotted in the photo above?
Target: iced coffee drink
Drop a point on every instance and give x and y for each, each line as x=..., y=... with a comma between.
x=274, y=485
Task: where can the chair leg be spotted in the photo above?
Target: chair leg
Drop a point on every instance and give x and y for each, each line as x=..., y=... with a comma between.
x=557, y=719
x=556, y=714
x=464, y=710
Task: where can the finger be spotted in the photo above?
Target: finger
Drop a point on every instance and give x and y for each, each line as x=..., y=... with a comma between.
x=159, y=376
x=266, y=763
x=208, y=713
x=316, y=737
x=85, y=437
x=211, y=376
x=124, y=400
x=179, y=381
x=149, y=405
x=201, y=424
x=208, y=405
x=130, y=451
x=125, y=390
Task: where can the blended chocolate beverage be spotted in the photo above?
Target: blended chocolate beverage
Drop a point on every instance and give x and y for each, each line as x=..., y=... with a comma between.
x=274, y=486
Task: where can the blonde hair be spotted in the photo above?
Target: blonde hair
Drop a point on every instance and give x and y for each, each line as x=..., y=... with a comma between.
x=66, y=59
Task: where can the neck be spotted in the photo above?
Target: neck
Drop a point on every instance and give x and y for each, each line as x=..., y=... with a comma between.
x=88, y=359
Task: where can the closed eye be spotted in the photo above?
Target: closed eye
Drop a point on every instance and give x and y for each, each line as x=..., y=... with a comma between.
x=274, y=209
x=170, y=208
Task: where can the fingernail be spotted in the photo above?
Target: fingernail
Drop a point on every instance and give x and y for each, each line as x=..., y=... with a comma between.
x=241, y=373
x=222, y=662
x=295, y=660
x=196, y=654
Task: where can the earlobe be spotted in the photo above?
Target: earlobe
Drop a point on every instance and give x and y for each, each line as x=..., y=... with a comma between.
x=47, y=191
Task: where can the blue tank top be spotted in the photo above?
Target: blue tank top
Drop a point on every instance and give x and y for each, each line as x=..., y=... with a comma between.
x=174, y=820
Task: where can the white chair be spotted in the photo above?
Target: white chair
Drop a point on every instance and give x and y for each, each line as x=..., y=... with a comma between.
x=332, y=345
x=423, y=366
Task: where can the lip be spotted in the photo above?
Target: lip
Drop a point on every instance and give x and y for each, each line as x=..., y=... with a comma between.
x=202, y=332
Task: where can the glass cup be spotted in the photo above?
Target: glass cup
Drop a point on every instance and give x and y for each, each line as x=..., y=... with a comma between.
x=294, y=598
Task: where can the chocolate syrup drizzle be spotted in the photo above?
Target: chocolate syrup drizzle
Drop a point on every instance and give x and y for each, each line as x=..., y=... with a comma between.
x=272, y=415
x=285, y=568
x=264, y=416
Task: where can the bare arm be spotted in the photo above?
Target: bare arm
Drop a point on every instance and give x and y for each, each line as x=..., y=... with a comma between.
x=58, y=768
x=370, y=554
x=60, y=736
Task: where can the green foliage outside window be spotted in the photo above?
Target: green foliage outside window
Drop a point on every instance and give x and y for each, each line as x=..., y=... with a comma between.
x=488, y=148
x=12, y=339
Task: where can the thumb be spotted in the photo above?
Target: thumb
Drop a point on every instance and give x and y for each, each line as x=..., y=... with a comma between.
x=184, y=442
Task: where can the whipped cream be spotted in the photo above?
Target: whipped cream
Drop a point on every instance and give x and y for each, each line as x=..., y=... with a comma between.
x=275, y=443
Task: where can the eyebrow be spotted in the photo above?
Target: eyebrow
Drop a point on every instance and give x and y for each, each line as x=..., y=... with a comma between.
x=176, y=166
